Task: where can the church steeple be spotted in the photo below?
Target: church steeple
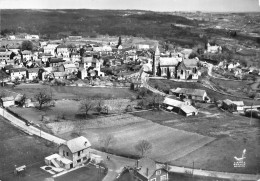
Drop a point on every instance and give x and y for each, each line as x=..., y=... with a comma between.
x=156, y=60
x=157, y=51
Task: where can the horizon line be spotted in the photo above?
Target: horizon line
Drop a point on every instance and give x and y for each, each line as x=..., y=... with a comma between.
x=202, y=11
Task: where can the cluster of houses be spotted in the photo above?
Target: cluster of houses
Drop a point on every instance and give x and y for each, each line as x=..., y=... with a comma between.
x=63, y=61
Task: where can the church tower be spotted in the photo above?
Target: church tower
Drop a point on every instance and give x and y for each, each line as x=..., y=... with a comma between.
x=156, y=60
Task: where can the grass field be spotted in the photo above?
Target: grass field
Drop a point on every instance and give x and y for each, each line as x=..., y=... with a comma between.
x=64, y=111
x=65, y=92
x=233, y=133
x=19, y=149
x=168, y=143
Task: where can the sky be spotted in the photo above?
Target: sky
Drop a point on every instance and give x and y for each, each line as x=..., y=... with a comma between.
x=154, y=5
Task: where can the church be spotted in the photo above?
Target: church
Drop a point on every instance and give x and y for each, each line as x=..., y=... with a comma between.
x=174, y=66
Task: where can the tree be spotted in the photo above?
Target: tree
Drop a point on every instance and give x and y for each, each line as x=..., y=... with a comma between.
x=143, y=147
x=42, y=98
x=27, y=45
x=99, y=106
x=155, y=100
x=22, y=100
x=142, y=92
x=106, y=141
x=86, y=105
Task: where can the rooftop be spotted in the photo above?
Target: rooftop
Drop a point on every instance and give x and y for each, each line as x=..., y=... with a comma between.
x=77, y=144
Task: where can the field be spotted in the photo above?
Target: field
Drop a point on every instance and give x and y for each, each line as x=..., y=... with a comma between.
x=128, y=130
x=65, y=92
x=64, y=111
x=19, y=149
x=233, y=133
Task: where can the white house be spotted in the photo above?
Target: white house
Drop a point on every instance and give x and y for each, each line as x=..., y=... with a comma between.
x=27, y=55
x=63, y=51
x=32, y=37
x=32, y=73
x=214, y=48
x=72, y=153
x=19, y=73
x=12, y=37
x=50, y=48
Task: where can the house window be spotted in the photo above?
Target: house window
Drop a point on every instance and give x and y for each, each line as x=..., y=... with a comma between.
x=63, y=153
x=181, y=72
x=158, y=172
x=67, y=153
x=78, y=153
x=78, y=161
x=163, y=178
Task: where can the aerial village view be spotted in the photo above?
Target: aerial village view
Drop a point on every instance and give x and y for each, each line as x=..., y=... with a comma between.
x=107, y=90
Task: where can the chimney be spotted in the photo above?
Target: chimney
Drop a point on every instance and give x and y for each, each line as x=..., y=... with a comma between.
x=147, y=171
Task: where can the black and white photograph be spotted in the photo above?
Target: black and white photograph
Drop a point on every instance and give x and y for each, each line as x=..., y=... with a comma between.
x=129, y=90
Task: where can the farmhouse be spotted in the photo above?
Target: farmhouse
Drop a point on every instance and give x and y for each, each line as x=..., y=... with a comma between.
x=180, y=107
x=232, y=106
x=228, y=105
x=194, y=94
x=146, y=170
x=71, y=153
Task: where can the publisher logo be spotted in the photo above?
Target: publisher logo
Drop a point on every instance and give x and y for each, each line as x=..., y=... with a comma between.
x=240, y=162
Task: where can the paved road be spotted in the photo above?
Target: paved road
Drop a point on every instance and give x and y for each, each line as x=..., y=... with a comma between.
x=115, y=164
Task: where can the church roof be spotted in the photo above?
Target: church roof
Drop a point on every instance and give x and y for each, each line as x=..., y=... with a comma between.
x=169, y=61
